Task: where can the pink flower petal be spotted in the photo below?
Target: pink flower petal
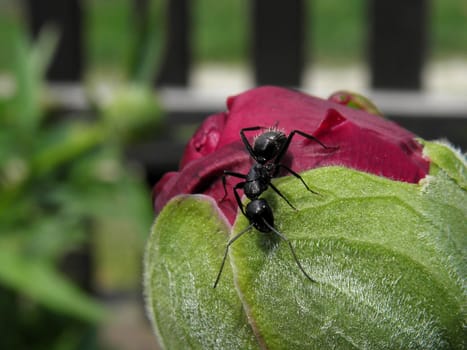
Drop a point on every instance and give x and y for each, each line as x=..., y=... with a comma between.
x=365, y=142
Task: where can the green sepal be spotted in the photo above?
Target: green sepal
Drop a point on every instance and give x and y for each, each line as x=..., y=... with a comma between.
x=443, y=156
x=387, y=258
x=183, y=256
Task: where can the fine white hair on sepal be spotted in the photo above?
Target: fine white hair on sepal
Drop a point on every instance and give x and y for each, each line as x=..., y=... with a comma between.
x=456, y=150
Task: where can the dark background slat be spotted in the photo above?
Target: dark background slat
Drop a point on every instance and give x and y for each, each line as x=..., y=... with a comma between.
x=177, y=59
x=278, y=41
x=398, y=32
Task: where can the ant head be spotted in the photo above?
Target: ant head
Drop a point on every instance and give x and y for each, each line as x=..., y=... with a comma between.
x=268, y=144
x=258, y=212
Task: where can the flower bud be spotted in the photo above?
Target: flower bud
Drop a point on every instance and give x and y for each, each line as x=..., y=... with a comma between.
x=381, y=233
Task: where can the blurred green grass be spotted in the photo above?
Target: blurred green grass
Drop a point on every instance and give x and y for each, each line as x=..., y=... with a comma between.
x=335, y=31
x=67, y=189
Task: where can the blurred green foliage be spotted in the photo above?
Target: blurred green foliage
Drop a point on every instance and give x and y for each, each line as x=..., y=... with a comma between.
x=448, y=20
x=220, y=30
x=335, y=30
x=65, y=188
x=118, y=41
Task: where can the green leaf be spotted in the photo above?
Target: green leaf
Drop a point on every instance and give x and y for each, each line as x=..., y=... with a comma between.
x=388, y=258
x=183, y=256
x=40, y=281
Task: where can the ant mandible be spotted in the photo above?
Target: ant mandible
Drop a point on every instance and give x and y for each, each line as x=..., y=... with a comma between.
x=267, y=151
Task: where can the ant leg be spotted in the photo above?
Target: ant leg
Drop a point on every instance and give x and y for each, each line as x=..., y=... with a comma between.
x=291, y=249
x=281, y=195
x=229, y=173
x=226, y=252
x=286, y=144
x=240, y=185
x=310, y=137
x=298, y=177
x=245, y=140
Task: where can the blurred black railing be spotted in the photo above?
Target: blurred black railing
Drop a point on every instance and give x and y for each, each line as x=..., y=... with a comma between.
x=396, y=52
x=397, y=38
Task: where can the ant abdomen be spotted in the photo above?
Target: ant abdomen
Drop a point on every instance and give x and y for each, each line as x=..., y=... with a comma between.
x=258, y=212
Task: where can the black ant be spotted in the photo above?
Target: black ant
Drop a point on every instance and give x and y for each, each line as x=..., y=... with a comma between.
x=267, y=151
x=259, y=213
